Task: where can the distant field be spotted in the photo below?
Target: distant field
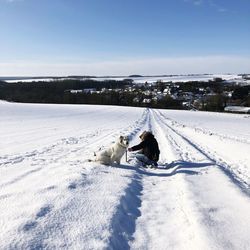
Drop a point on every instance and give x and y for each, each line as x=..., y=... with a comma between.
x=149, y=79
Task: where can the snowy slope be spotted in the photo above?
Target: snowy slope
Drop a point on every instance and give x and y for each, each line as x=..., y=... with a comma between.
x=143, y=79
x=51, y=197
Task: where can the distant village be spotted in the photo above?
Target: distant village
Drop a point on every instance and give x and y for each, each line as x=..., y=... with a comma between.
x=212, y=95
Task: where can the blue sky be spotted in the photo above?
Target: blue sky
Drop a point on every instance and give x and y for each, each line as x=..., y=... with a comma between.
x=121, y=37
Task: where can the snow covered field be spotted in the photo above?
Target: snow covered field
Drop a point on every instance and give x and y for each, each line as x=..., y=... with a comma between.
x=149, y=79
x=51, y=197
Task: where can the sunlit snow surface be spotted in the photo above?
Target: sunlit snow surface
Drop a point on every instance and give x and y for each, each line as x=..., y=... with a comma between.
x=149, y=79
x=51, y=197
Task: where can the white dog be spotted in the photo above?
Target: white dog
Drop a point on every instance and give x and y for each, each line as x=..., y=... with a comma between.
x=114, y=153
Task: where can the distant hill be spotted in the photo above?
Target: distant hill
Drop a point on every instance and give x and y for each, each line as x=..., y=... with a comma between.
x=135, y=76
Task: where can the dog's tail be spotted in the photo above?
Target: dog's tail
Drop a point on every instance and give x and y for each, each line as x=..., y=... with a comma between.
x=94, y=153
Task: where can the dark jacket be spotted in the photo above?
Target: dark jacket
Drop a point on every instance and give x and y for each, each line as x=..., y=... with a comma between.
x=149, y=147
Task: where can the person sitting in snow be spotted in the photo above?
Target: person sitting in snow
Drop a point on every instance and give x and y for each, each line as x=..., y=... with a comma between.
x=149, y=149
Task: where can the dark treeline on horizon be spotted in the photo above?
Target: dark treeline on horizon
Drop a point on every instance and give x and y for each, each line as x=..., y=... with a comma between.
x=51, y=92
x=114, y=92
x=59, y=92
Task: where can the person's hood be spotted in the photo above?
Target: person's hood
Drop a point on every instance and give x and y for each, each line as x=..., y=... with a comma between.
x=147, y=135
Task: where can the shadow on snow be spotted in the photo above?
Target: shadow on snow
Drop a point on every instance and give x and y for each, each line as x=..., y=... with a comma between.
x=123, y=223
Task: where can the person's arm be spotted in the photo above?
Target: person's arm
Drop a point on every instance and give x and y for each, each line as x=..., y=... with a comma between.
x=137, y=147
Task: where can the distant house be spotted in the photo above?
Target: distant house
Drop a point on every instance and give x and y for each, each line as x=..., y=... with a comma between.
x=90, y=90
x=167, y=91
x=136, y=100
x=147, y=92
x=77, y=91
x=186, y=104
x=159, y=96
x=198, y=104
x=174, y=96
x=228, y=93
x=146, y=100
x=187, y=96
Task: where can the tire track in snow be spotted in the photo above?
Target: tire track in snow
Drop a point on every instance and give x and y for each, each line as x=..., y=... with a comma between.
x=57, y=151
x=222, y=164
x=46, y=150
x=14, y=159
x=123, y=223
x=168, y=218
x=53, y=154
x=73, y=206
x=60, y=152
x=222, y=213
x=13, y=181
x=174, y=123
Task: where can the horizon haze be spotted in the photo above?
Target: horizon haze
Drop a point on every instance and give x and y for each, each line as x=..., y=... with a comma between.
x=94, y=37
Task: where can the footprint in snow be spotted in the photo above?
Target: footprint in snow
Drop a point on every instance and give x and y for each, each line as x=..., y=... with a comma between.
x=51, y=187
x=43, y=211
x=33, y=223
x=29, y=225
x=72, y=186
x=213, y=210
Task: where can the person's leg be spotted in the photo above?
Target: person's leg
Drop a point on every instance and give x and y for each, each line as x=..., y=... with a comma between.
x=143, y=158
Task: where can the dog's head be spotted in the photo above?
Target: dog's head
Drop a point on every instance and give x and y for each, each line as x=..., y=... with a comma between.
x=124, y=141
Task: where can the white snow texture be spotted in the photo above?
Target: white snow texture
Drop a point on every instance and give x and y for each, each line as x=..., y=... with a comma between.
x=52, y=197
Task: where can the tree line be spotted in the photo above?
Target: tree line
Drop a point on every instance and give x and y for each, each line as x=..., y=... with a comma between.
x=58, y=91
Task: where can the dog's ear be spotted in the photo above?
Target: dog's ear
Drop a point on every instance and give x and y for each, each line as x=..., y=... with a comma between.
x=121, y=138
